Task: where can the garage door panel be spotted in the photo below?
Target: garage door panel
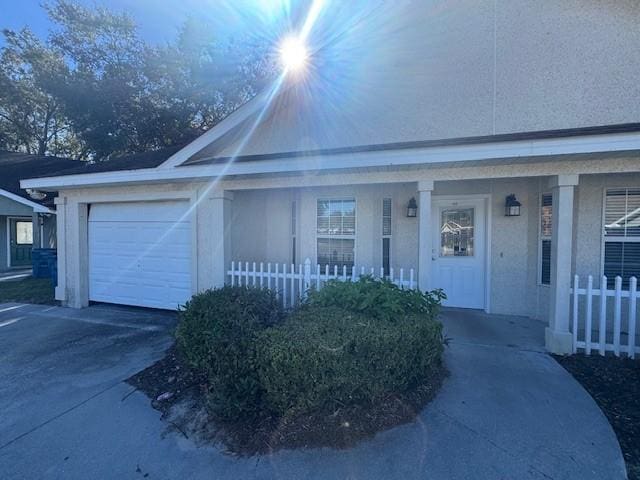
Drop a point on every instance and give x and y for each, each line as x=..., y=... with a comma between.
x=140, y=254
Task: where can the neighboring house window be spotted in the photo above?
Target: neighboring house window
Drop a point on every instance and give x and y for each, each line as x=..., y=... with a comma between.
x=336, y=233
x=622, y=235
x=386, y=235
x=293, y=232
x=546, y=221
x=24, y=233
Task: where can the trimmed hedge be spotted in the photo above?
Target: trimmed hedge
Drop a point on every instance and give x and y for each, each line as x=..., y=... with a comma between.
x=351, y=343
x=325, y=357
x=216, y=335
x=378, y=298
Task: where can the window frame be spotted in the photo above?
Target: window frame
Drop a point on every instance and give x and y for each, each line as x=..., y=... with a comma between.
x=341, y=237
x=25, y=221
x=388, y=236
x=603, y=223
x=542, y=237
x=293, y=227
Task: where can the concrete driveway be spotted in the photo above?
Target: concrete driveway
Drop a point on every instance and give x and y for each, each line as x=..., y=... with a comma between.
x=508, y=411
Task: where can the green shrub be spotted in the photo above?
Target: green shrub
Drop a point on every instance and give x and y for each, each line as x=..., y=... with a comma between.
x=323, y=357
x=376, y=298
x=216, y=335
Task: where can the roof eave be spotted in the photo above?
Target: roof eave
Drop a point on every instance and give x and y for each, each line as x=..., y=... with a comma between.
x=450, y=154
x=421, y=144
x=38, y=208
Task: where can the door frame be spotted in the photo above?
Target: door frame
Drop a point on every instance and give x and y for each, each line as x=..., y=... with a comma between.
x=9, y=218
x=487, y=198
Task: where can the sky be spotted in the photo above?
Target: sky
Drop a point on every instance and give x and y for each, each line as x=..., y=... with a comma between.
x=158, y=20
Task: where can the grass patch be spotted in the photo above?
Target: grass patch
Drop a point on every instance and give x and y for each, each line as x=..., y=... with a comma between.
x=27, y=290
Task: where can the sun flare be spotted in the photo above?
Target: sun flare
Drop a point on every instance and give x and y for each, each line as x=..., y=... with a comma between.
x=293, y=54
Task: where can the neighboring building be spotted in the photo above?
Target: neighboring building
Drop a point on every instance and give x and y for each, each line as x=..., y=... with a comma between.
x=457, y=107
x=26, y=222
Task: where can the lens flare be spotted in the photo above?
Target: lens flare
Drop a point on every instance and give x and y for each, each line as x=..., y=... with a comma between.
x=293, y=54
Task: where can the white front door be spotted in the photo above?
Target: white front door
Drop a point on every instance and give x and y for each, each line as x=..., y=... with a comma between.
x=459, y=250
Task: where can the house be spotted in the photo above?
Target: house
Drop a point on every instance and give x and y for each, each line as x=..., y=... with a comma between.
x=26, y=221
x=494, y=147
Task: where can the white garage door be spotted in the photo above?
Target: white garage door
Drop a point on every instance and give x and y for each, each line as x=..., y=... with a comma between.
x=140, y=253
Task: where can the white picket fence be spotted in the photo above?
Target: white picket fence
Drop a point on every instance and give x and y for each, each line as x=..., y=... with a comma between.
x=584, y=327
x=291, y=285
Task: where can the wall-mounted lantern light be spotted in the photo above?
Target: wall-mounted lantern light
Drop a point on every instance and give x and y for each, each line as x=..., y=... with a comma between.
x=36, y=194
x=412, y=208
x=512, y=206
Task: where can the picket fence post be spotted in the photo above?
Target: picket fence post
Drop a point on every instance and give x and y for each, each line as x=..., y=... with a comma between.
x=633, y=292
x=307, y=275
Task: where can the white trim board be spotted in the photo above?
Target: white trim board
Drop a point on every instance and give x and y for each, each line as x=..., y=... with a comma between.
x=528, y=149
x=17, y=198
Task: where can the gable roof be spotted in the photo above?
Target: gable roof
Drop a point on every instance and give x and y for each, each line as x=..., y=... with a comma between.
x=15, y=166
x=134, y=161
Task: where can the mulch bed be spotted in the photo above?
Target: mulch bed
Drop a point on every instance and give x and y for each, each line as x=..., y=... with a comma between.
x=173, y=387
x=614, y=383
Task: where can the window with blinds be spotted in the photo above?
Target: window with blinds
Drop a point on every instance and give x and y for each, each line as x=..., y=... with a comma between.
x=293, y=231
x=386, y=235
x=622, y=235
x=546, y=222
x=336, y=233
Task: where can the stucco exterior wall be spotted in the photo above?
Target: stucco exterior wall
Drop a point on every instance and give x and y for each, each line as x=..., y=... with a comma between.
x=588, y=238
x=267, y=214
x=589, y=221
x=520, y=65
x=515, y=241
x=256, y=226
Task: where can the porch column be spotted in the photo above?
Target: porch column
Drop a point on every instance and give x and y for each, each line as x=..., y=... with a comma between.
x=221, y=235
x=425, y=253
x=61, y=233
x=77, y=255
x=35, y=224
x=557, y=336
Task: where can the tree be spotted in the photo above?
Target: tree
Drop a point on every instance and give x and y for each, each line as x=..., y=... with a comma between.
x=95, y=89
x=197, y=81
x=103, y=94
x=31, y=118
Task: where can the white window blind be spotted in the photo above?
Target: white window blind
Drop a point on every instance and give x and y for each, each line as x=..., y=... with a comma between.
x=386, y=235
x=293, y=231
x=336, y=231
x=622, y=234
x=546, y=222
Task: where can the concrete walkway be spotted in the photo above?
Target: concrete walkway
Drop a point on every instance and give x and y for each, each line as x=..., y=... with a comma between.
x=507, y=411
